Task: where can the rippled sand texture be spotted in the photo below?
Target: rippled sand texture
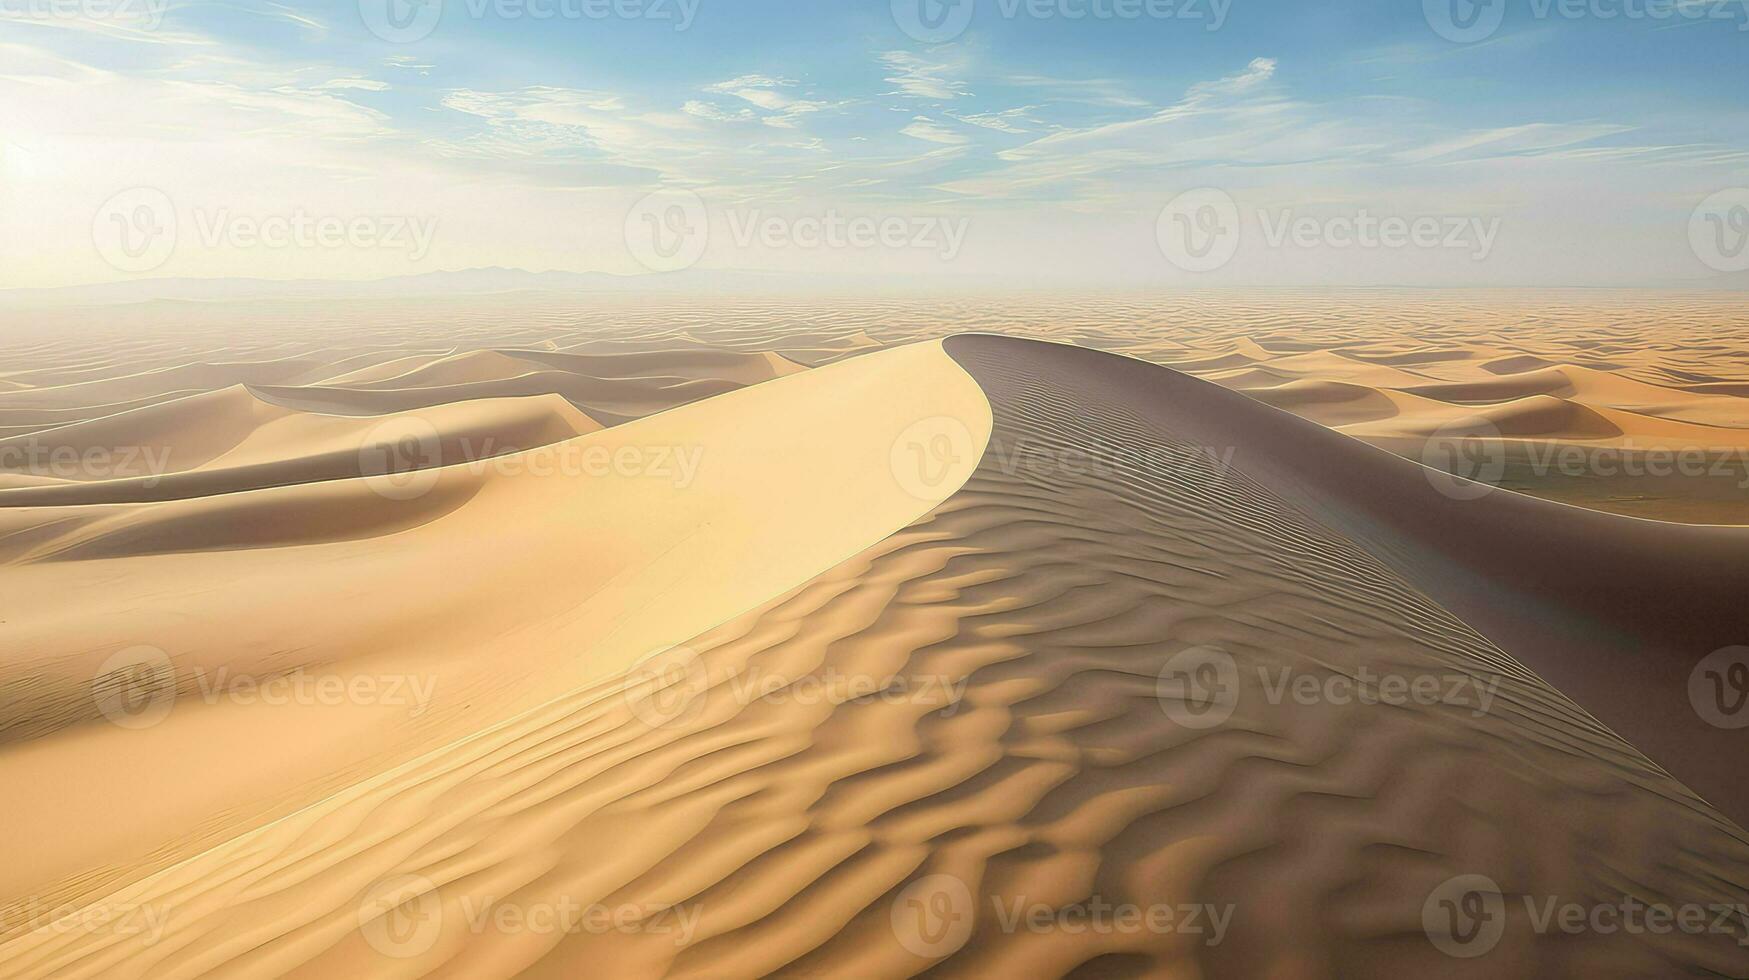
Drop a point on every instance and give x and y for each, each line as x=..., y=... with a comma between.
x=749, y=809
x=1019, y=742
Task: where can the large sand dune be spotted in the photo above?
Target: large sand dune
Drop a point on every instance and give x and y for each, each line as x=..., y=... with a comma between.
x=916, y=661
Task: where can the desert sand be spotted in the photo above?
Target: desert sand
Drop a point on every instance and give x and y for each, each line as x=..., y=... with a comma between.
x=800, y=640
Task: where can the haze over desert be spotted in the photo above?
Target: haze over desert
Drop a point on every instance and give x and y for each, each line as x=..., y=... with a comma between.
x=1058, y=489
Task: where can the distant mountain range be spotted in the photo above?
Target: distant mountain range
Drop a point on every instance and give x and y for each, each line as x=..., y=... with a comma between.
x=464, y=282
x=497, y=279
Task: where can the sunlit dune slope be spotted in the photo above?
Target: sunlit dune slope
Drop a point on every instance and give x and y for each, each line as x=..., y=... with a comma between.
x=969, y=705
x=472, y=591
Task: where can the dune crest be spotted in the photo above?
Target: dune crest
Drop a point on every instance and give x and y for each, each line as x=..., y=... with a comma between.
x=982, y=714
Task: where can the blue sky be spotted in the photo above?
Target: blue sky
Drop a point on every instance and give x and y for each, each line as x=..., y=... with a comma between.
x=1583, y=133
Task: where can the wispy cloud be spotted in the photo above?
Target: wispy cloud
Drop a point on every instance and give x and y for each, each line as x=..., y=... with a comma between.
x=924, y=128
x=921, y=78
x=763, y=91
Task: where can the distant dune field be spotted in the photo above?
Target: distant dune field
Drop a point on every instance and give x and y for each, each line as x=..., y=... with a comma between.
x=1222, y=636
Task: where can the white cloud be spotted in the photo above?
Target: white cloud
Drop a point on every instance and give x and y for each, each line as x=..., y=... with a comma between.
x=361, y=84
x=922, y=79
x=1510, y=140
x=924, y=128
x=761, y=90
x=1005, y=121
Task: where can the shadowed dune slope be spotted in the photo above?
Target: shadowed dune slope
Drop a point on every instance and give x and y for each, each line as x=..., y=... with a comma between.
x=1615, y=612
x=989, y=711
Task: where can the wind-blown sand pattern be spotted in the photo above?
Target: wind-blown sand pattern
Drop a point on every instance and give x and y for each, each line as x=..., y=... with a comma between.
x=919, y=647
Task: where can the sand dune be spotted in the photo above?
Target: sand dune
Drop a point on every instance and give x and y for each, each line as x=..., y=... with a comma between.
x=234, y=440
x=509, y=587
x=915, y=650
x=821, y=659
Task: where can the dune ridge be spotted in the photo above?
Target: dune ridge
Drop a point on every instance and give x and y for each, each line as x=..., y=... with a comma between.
x=1026, y=735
